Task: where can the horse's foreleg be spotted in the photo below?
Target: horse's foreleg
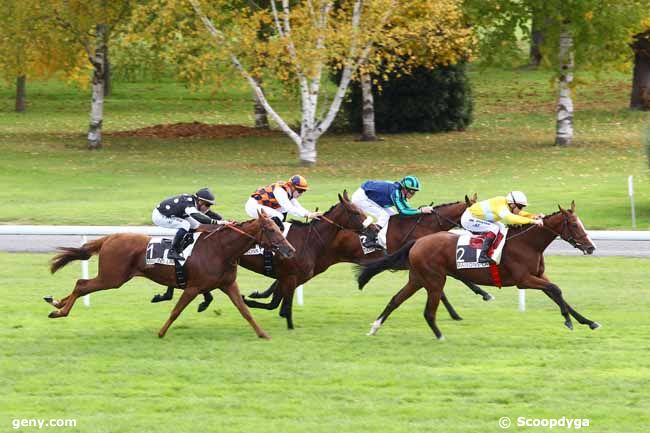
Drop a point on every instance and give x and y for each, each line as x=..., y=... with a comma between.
x=286, y=309
x=188, y=295
x=579, y=317
x=233, y=293
x=272, y=305
x=552, y=290
x=474, y=288
x=265, y=294
x=167, y=296
x=207, y=300
x=450, y=308
x=405, y=292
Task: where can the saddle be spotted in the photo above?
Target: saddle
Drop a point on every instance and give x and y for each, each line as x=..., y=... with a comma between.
x=468, y=249
x=158, y=248
x=268, y=254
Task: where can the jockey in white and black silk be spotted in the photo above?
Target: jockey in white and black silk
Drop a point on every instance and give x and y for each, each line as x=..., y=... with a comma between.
x=185, y=212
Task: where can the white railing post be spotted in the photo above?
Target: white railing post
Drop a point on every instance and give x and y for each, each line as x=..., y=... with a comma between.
x=300, y=300
x=522, y=300
x=84, y=271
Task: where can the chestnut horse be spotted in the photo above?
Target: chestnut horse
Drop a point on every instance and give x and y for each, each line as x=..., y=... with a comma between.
x=430, y=259
x=311, y=240
x=212, y=264
x=346, y=248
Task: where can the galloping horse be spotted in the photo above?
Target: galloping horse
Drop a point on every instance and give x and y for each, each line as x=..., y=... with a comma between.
x=212, y=264
x=311, y=241
x=432, y=258
x=346, y=248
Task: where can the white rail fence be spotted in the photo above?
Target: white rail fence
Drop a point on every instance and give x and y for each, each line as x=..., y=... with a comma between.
x=85, y=231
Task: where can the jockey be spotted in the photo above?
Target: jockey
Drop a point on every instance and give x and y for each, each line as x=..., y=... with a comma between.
x=486, y=216
x=377, y=197
x=279, y=199
x=185, y=212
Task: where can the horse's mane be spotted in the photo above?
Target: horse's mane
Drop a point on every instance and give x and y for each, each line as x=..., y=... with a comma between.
x=435, y=207
x=299, y=223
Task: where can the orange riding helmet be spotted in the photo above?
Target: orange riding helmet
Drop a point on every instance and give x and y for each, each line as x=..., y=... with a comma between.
x=299, y=182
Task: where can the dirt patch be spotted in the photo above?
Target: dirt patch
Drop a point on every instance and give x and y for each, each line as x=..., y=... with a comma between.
x=195, y=129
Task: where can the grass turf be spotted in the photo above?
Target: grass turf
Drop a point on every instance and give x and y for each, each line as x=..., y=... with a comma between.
x=105, y=367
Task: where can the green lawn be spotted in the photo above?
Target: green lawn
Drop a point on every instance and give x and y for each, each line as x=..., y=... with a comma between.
x=49, y=177
x=105, y=367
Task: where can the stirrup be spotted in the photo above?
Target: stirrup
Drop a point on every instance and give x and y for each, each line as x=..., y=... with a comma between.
x=175, y=255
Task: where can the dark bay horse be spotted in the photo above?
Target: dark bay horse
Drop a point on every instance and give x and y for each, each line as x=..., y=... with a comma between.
x=430, y=259
x=346, y=248
x=311, y=240
x=212, y=264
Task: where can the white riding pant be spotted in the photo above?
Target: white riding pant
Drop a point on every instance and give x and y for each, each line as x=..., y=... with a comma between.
x=381, y=214
x=173, y=222
x=252, y=206
x=477, y=225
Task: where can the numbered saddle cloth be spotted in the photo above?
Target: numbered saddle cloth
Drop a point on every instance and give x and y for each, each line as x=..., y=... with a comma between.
x=158, y=248
x=257, y=249
x=468, y=250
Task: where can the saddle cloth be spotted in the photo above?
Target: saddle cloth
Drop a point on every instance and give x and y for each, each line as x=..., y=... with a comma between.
x=258, y=250
x=468, y=249
x=158, y=248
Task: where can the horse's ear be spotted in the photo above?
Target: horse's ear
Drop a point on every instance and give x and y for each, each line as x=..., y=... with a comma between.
x=475, y=197
x=561, y=209
x=345, y=195
x=573, y=205
x=261, y=213
x=340, y=198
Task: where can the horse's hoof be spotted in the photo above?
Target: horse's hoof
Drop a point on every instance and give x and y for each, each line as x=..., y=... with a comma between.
x=49, y=299
x=202, y=307
x=457, y=318
x=156, y=298
x=488, y=297
x=265, y=336
x=54, y=314
x=161, y=334
x=441, y=338
x=569, y=325
x=255, y=295
x=595, y=325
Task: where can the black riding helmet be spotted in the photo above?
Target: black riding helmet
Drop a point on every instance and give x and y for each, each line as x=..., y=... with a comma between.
x=205, y=195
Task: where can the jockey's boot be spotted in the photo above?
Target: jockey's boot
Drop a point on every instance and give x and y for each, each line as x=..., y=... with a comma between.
x=278, y=222
x=176, y=250
x=487, y=243
x=372, y=238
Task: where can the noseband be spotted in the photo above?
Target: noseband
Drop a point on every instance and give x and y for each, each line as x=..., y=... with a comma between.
x=569, y=238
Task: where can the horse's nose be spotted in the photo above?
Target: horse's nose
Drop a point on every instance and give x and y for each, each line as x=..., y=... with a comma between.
x=590, y=249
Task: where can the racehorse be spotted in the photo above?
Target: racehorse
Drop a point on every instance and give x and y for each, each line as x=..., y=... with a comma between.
x=212, y=264
x=346, y=247
x=311, y=240
x=430, y=259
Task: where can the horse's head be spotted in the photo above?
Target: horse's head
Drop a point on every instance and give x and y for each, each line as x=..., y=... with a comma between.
x=272, y=236
x=346, y=215
x=573, y=231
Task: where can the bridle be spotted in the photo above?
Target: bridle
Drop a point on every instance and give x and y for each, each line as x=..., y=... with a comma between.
x=438, y=220
x=259, y=241
x=337, y=225
x=565, y=228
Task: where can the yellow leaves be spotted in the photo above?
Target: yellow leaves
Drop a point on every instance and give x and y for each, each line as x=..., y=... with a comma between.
x=589, y=15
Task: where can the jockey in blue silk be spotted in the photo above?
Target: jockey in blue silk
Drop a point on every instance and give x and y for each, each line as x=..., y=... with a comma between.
x=378, y=198
x=185, y=212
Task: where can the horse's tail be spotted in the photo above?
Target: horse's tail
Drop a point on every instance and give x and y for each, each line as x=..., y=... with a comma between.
x=399, y=260
x=69, y=254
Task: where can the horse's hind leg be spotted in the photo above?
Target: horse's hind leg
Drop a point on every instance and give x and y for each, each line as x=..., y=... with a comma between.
x=397, y=300
x=82, y=288
x=271, y=305
x=167, y=296
x=579, y=317
x=233, y=293
x=188, y=295
x=544, y=284
x=434, y=286
x=474, y=288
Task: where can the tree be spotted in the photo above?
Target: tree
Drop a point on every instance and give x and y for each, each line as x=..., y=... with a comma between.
x=27, y=46
x=308, y=37
x=640, y=97
x=580, y=34
x=90, y=25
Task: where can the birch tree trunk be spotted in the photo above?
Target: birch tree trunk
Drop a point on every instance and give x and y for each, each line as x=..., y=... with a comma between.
x=564, y=127
x=21, y=94
x=97, y=105
x=261, y=119
x=640, y=97
x=368, y=111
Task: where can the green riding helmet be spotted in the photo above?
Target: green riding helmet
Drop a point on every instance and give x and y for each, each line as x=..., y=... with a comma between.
x=411, y=183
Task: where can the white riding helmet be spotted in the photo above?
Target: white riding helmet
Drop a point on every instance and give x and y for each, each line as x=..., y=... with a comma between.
x=517, y=197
